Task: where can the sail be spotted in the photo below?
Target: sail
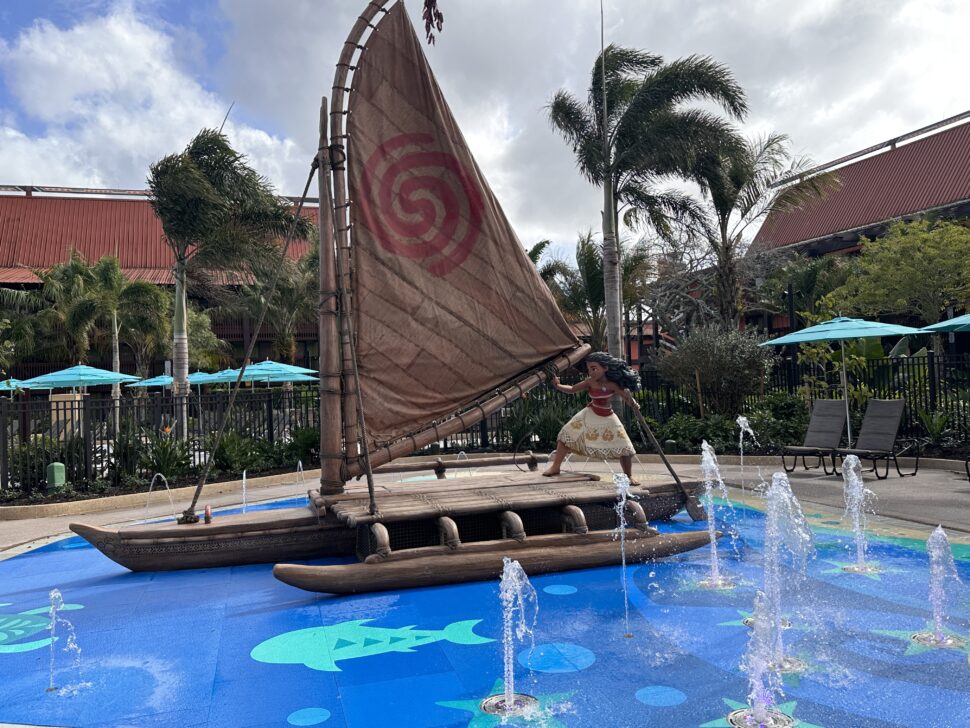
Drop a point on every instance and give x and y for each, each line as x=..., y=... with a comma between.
x=447, y=305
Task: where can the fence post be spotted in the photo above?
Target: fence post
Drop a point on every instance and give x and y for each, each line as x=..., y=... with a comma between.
x=88, y=438
x=269, y=419
x=932, y=375
x=483, y=431
x=4, y=424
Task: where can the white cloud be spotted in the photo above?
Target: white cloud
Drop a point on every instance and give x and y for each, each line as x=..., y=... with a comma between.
x=115, y=92
x=112, y=97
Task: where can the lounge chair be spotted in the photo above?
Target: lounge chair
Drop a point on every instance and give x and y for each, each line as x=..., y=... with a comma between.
x=878, y=437
x=822, y=438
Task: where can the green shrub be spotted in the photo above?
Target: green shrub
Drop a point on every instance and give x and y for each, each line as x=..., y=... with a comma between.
x=730, y=365
x=237, y=453
x=551, y=414
x=304, y=446
x=126, y=454
x=689, y=432
x=166, y=454
x=778, y=419
x=519, y=423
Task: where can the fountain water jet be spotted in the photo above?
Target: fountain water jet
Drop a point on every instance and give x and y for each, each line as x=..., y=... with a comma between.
x=745, y=429
x=244, y=491
x=765, y=660
x=517, y=596
x=857, y=502
x=71, y=646
x=168, y=490
x=712, y=481
x=622, y=483
x=942, y=567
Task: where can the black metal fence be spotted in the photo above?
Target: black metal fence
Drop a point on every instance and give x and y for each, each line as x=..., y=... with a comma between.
x=98, y=441
x=101, y=441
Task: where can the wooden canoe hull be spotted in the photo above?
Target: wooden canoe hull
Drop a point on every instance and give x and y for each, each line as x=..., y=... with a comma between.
x=159, y=547
x=292, y=534
x=484, y=561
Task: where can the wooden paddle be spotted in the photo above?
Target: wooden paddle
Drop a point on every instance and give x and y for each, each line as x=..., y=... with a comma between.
x=694, y=508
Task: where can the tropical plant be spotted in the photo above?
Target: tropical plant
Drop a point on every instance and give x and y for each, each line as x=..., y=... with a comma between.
x=166, y=454
x=293, y=302
x=222, y=221
x=582, y=295
x=737, y=180
x=51, y=320
x=634, y=131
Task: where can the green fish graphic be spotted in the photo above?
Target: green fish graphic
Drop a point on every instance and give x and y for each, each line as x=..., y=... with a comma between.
x=321, y=648
x=19, y=625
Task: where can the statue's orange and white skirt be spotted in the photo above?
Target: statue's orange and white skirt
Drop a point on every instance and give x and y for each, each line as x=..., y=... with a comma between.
x=594, y=436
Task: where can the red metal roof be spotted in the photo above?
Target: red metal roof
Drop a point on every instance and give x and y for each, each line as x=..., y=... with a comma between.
x=925, y=174
x=39, y=232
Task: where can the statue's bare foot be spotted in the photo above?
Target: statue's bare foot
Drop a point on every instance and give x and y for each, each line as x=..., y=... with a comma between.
x=549, y=472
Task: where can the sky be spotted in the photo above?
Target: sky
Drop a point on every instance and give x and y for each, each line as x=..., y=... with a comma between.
x=93, y=91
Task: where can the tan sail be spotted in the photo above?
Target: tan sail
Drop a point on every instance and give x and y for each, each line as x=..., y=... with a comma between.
x=447, y=306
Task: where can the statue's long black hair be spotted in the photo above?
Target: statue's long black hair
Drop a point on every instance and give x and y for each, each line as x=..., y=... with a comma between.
x=617, y=370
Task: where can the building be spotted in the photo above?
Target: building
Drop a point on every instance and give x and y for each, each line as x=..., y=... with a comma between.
x=926, y=171
x=39, y=226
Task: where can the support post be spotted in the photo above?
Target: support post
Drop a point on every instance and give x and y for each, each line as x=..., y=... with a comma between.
x=331, y=480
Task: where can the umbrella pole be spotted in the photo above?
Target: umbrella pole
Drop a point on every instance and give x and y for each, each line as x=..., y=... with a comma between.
x=845, y=393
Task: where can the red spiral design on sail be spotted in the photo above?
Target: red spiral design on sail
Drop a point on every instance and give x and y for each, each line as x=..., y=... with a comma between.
x=421, y=203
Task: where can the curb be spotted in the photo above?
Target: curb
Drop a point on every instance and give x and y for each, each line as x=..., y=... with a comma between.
x=132, y=500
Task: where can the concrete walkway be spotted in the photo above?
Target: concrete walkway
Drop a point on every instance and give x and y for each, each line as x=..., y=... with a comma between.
x=935, y=496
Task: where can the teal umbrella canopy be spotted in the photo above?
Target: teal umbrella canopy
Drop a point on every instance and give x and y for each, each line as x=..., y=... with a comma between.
x=254, y=374
x=201, y=377
x=160, y=381
x=958, y=324
x=841, y=328
x=79, y=376
x=274, y=367
x=10, y=385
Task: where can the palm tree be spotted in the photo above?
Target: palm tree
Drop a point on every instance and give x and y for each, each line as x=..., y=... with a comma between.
x=222, y=221
x=115, y=299
x=49, y=321
x=583, y=296
x=550, y=269
x=737, y=182
x=633, y=132
x=294, y=302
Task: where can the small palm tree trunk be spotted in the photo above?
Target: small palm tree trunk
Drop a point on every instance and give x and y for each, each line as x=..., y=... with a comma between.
x=611, y=272
x=180, y=353
x=116, y=368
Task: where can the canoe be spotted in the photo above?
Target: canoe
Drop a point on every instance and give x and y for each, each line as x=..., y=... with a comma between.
x=249, y=538
x=483, y=560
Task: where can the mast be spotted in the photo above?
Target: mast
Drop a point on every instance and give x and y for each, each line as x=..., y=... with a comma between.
x=331, y=478
x=350, y=58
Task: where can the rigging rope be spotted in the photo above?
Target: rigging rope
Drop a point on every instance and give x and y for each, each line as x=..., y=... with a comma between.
x=188, y=515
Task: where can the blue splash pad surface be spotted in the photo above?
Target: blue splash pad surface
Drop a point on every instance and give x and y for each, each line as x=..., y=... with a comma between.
x=179, y=648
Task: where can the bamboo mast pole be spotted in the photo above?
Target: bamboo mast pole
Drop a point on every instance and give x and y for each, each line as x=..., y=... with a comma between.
x=331, y=453
x=350, y=57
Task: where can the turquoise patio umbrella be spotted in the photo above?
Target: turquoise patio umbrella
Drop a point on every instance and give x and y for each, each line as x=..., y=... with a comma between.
x=159, y=381
x=958, y=324
x=201, y=377
x=10, y=385
x=839, y=329
x=78, y=376
x=274, y=367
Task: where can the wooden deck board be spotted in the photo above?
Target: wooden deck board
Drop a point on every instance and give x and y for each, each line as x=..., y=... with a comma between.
x=460, y=496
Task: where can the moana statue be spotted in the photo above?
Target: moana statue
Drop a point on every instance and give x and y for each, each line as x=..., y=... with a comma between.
x=595, y=431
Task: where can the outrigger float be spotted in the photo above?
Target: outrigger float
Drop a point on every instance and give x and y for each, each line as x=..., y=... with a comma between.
x=432, y=318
